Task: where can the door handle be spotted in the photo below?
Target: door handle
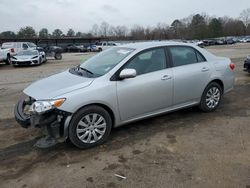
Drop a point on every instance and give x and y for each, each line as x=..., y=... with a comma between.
x=204, y=69
x=166, y=77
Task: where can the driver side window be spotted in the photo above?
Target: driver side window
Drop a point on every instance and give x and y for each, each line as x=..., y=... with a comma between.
x=148, y=61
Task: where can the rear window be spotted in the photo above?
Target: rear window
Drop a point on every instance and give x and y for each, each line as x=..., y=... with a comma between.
x=182, y=55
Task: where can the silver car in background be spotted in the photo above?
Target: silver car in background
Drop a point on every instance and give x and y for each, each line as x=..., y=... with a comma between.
x=121, y=85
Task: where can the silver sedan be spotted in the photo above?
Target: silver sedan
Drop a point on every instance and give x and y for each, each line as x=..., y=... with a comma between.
x=121, y=85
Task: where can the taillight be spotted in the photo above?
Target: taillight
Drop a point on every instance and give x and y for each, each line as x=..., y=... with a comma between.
x=232, y=66
x=12, y=50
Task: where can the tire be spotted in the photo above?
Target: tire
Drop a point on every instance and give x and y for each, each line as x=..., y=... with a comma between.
x=58, y=56
x=90, y=134
x=45, y=59
x=8, y=60
x=211, y=97
x=100, y=49
x=40, y=61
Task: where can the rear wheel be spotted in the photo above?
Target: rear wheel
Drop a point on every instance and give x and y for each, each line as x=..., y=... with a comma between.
x=89, y=127
x=211, y=97
x=58, y=56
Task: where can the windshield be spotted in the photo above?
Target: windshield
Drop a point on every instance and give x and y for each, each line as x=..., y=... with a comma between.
x=31, y=45
x=27, y=52
x=106, y=60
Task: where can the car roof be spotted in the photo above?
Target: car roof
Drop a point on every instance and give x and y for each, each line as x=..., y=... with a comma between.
x=146, y=45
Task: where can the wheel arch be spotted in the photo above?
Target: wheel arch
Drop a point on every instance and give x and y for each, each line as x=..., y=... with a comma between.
x=69, y=118
x=218, y=81
x=107, y=108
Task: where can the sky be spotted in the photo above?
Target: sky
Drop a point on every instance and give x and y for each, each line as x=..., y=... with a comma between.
x=82, y=14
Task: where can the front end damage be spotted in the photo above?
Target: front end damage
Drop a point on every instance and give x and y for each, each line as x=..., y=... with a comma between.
x=52, y=121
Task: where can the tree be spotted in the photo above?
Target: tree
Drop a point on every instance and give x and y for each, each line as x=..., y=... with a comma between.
x=95, y=30
x=27, y=32
x=248, y=30
x=215, y=28
x=104, y=29
x=233, y=27
x=176, y=28
x=198, y=27
x=138, y=32
x=57, y=33
x=8, y=34
x=79, y=34
x=71, y=33
x=44, y=33
x=245, y=16
x=120, y=31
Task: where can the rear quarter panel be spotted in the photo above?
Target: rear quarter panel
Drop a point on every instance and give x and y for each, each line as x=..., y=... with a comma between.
x=223, y=72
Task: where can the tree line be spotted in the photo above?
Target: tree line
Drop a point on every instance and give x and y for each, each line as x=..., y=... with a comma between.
x=198, y=26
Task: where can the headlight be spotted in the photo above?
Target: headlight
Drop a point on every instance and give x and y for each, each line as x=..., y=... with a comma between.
x=43, y=106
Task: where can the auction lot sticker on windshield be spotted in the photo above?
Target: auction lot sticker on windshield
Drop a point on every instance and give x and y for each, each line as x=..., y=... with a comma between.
x=124, y=51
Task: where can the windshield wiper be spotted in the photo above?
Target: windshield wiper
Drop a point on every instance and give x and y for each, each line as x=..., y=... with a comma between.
x=80, y=71
x=86, y=70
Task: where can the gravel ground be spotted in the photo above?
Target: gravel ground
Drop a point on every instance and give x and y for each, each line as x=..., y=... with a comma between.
x=181, y=149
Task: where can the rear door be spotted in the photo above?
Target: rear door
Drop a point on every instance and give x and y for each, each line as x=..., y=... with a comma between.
x=151, y=90
x=191, y=73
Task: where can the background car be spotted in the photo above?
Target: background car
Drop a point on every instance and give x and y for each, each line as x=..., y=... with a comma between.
x=5, y=55
x=92, y=48
x=15, y=47
x=28, y=57
x=105, y=45
x=52, y=51
x=75, y=48
x=247, y=64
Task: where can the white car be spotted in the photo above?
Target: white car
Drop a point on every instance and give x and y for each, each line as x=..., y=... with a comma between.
x=105, y=45
x=5, y=55
x=28, y=57
x=15, y=47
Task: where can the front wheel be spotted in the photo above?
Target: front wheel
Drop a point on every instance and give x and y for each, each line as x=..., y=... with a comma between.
x=211, y=97
x=90, y=127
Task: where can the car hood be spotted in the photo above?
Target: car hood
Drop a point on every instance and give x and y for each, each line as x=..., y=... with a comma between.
x=57, y=85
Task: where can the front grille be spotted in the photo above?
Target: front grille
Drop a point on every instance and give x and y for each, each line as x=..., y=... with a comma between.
x=23, y=62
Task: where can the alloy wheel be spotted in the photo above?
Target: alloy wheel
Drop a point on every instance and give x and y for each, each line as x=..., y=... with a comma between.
x=213, y=97
x=91, y=128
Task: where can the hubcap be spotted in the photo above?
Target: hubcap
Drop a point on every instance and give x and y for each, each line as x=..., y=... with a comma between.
x=91, y=128
x=213, y=97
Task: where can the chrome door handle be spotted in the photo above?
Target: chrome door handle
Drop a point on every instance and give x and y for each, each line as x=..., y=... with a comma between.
x=204, y=69
x=166, y=77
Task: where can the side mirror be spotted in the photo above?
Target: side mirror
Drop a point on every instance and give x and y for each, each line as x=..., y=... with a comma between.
x=127, y=73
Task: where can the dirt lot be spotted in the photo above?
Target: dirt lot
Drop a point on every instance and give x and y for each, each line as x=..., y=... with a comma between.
x=182, y=149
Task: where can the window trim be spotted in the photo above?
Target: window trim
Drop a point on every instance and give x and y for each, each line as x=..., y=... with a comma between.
x=195, y=50
x=115, y=76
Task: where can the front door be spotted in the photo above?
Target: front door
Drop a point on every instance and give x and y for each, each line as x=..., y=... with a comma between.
x=151, y=90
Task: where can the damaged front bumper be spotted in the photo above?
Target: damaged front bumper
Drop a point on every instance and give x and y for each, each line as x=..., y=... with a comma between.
x=54, y=121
